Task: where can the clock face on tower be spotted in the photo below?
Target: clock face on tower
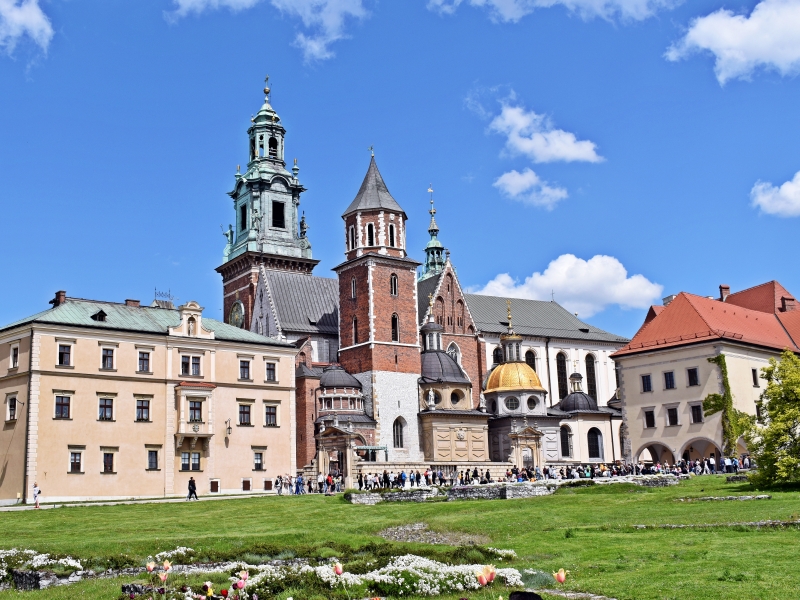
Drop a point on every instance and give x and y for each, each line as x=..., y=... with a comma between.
x=236, y=317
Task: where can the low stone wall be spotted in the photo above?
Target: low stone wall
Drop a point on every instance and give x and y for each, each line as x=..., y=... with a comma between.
x=412, y=495
x=500, y=491
x=736, y=479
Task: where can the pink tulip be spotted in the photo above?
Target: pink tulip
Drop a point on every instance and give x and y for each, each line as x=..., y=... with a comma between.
x=239, y=584
x=150, y=566
x=163, y=577
x=482, y=579
x=338, y=569
x=560, y=576
x=243, y=575
x=491, y=575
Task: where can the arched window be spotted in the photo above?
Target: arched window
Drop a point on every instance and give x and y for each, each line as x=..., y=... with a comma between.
x=561, y=368
x=595, y=439
x=370, y=234
x=273, y=147
x=355, y=331
x=512, y=403
x=497, y=355
x=391, y=235
x=530, y=358
x=397, y=432
x=352, y=238
x=393, y=284
x=460, y=314
x=591, y=378
x=192, y=324
x=353, y=287
x=395, y=328
x=454, y=352
x=566, y=442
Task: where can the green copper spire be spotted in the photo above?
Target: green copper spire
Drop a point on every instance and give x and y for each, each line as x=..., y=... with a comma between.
x=434, y=251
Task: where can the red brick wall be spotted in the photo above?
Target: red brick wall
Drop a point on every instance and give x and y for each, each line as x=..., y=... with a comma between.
x=248, y=282
x=361, y=237
x=304, y=404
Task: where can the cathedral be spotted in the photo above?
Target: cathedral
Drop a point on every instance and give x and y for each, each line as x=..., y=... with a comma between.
x=397, y=366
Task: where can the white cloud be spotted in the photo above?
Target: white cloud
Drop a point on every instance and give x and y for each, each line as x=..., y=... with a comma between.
x=324, y=19
x=782, y=201
x=582, y=286
x=534, y=136
x=530, y=189
x=769, y=38
x=23, y=17
x=511, y=11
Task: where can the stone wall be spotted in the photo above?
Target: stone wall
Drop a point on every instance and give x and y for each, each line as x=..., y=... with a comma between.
x=416, y=495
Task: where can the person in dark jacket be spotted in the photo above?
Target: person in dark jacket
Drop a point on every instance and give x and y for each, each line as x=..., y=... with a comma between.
x=192, y=489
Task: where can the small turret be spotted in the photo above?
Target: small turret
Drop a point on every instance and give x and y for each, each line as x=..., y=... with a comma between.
x=434, y=251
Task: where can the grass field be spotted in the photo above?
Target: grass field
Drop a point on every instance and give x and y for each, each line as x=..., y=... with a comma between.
x=588, y=531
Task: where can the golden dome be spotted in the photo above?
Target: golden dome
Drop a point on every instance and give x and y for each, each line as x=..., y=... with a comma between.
x=513, y=376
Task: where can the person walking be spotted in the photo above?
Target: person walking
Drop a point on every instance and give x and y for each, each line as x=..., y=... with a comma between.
x=192, y=490
x=36, y=493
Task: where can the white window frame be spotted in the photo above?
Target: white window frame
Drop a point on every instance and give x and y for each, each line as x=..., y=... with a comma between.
x=12, y=364
x=66, y=342
x=645, y=410
x=641, y=383
x=262, y=450
x=158, y=449
x=249, y=402
x=249, y=361
x=106, y=396
x=702, y=416
x=667, y=408
x=275, y=404
x=664, y=380
x=191, y=356
x=9, y=398
x=276, y=363
x=688, y=381
x=250, y=480
x=109, y=450
x=76, y=449
x=69, y=394
x=113, y=346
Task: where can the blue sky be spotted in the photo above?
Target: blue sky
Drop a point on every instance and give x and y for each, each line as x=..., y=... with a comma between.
x=608, y=151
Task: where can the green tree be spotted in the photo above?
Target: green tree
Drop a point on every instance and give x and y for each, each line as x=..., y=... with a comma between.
x=735, y=423
x=774, y=442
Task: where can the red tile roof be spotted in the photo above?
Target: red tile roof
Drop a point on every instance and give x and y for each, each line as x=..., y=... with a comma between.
x=690, y=319
x=654, y=311
x=764, y=298
x=791, y=322
x=197, y=384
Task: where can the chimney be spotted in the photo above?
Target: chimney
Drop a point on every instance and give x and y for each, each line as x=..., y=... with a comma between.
x=130, y=302
x=787, y=304
x=724, y=292
x=61, y=297
x=669, y=299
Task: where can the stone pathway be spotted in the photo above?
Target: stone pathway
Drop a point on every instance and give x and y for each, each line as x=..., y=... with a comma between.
x=722, y=498
x=767, y=523
x=18, y=507
x=420, y=534
x=563, y=594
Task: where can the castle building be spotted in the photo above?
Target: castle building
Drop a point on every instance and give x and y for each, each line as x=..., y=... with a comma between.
x=672, y=364
x=107, y=400
x=395, y=362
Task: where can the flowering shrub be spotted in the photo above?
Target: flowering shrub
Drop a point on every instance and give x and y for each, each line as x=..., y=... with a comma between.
x=181, y=553
x=501, y=554
x=30, y=559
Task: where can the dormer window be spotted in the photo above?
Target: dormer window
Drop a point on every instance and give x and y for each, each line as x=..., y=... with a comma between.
x=273, y=147
x=99, y=316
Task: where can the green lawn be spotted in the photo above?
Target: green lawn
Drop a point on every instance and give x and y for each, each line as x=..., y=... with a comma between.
x=588, y=531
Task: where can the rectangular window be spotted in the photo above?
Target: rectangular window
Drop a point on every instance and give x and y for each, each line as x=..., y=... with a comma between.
x=75, y=462
x=152, y=460
x=108, y=462
x=106, y=412
x=649, y=418
x=271, y=416
x=697, y=413
x=755, y=378
x=14, y=357
x=245, y=485
x=669, y=380
x=196, y=365
x=62, y=407
x=244, y=369
x=143, y=410
x=278, y=218
x=242, y=218
x=144, y=362
x=12, y=409
x=185, y=364
x=271, y=372
x=672, y=416
x=195, y=461
x=64, y=355
x=259, y=461
x=195, y=411
x=647, y=383
x=694, y=377
x=244, y=414
x=108, y=358
x=184, y=461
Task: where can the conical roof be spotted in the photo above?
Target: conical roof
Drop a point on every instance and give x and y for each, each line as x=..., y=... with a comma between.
x=373, y=194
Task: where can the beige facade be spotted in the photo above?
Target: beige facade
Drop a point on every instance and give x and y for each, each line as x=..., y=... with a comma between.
x=675, y=427
x=123, y=407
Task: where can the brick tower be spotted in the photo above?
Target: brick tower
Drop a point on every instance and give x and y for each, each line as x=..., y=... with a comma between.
x=268, y=232
x=379, y=338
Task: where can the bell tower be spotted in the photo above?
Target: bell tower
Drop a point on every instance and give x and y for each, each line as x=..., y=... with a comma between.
x=267, y=231
x=378, y=332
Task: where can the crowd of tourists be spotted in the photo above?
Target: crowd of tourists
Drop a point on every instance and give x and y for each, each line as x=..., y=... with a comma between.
x=333, y=482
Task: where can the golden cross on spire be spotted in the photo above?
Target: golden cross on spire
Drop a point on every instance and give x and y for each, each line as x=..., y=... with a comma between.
x=430, y=300
x=508, y=306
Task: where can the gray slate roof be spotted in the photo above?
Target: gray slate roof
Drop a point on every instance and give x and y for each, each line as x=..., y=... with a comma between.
x=439, y=366
x=534, y=317
x=146, y=319
x=425, y=287
x=305, y=303
x=373, y=194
